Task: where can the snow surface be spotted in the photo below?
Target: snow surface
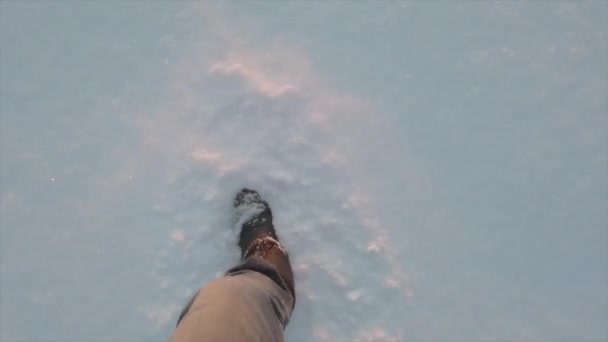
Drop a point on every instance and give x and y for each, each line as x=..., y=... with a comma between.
x=437, y=170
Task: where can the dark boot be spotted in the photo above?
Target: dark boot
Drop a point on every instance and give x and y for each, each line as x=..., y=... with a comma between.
x=258, y=236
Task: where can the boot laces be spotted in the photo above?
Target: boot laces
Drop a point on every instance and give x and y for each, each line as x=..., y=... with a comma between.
x=262, y=245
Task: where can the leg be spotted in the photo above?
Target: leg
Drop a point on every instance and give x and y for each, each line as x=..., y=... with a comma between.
x=245, y=305
x=255, y=299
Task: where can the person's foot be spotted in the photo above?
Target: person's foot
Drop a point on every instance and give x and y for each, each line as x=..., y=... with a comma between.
x=258, y=237
x=254, y=217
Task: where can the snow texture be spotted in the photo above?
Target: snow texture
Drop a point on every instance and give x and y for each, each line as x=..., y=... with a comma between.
x=436, y=170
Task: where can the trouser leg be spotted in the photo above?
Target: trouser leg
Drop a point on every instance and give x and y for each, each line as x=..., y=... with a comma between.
x=253, y=302
x=274, y=264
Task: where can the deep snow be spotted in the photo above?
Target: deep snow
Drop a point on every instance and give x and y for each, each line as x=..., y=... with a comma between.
x=436, y=169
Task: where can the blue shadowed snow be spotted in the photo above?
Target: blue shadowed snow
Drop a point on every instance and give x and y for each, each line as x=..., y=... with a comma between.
x=436, y=169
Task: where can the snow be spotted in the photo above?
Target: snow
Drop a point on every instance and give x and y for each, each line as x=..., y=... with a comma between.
x=437, y=170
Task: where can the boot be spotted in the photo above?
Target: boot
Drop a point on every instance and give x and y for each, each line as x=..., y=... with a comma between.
x=258, y=236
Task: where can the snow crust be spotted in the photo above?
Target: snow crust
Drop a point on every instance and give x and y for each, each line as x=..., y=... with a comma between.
x=436, y=170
